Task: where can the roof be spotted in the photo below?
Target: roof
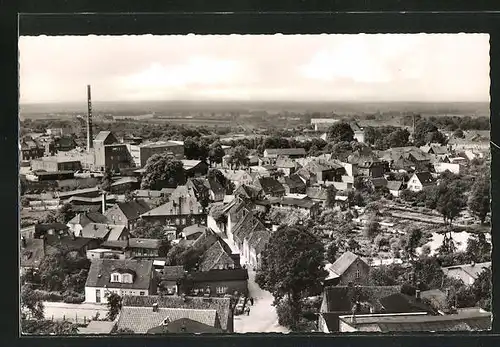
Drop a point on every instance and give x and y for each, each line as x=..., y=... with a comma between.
x=102, y=231
x=473, y=270
x=77, y=192
x=221, y=305
x=248, y=191
x=436, y=297
x=316, y=193
x=159, y=144
x=134, y=242
x=286, y=163
x=425, y=177
x=85, y=218
x=270, y=185
x=294, y=181
x=394, y=185
x=33, y=254
x=42, y=228
x=69, y=242
x=102, y=136
x=125, y=180
x=133, y=209
x=219, y=275
x=173, y=273
x=216, y=257
x=286, y=151
x=193, y=229
x=341, y=298
x=97, y=327
x=189, y=206
x=474, y=321
x=439, y=149
x=355, y=127
x=205, y=240
x=186, y=326
x=142, y=319
x=101, y=269
x=378, y=182
x=343, y=263
x=401, y=303
x=324, y=120
x=189, y=164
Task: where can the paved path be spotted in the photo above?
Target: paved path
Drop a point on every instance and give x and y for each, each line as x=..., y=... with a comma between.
x=73, y=312
x=263, y=317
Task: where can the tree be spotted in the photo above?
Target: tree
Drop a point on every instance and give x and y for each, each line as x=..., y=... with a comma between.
x=291, y=264
x=65, y=213
x=450, y=203
x=31, y=302
x=107, y=180
x=339, y=132
x=353, y=245
x=129, y=196
x=479, y=199
x=380, y=241
x=239, y=156
x=398, y=138
x=478, y=249
x=216, y=153
x=162, y=170
x=114, y=305
x=331, y=252
x=372, y=229
x=124, y=331
x=427, y=132
x=331, y=192
x=413, y=240
x=47, y=327
x=482, y=289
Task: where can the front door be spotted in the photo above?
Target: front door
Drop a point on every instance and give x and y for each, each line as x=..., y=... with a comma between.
x=98, y=295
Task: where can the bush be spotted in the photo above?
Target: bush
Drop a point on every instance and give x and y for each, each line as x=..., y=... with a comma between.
x=73, y=298
x=49, y=296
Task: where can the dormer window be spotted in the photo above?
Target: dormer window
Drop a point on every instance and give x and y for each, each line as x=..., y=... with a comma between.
x=115, y=278
x=122, y=277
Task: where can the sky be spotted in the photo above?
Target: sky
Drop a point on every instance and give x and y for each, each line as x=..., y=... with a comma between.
x=362, y=67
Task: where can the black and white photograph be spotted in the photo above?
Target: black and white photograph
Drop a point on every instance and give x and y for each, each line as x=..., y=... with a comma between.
x=231, y=184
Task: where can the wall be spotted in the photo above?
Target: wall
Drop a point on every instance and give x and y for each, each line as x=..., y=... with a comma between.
x=442, y=167
x=414, y=184
x=47, y=165
x=184, y=220
x=322, y=327
x=349, y=276
x=359, y=136
x=117, y=157
x=90, y=293
x=345, y=328
x=232, y=286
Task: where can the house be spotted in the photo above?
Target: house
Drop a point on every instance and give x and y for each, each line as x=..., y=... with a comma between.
x=207, y=189
x=181, y=212
x=110, y=154
x=323, y=171
x=323, y=123
x=123, y=277
x=420, y=180
x=249, y=192
x=195, y=168
x=286, y=165
x=294, y=185
x=238, y=177
x=402, y=303
x=342, y=300
x=377, y=182
x=395, y=187
x=55, y=164
x=135, y=247
x=422, y=322
x=219, y=256
x=105, y=253
x=32, y=253
x=42, y=230
x=85, y=204
x=87, y=192
x=222, y=307
x=107, y=232
x=70, y=243
x=127, y=213
x=284, y=152
x=31, y=148
x=367, y=163
x=317, y=194
x=359, y=134
x=309, y=207
x=412, y=154
x=270, y=186
x=184, y=326
x=143, y=151
x=218, y=282
x=349, y=268
x=82, y=219
x=435, y=149
x=442, y=167
x=467, y=273
x=171, y=277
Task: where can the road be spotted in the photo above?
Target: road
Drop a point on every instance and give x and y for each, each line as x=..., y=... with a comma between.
x=73, y=312
x=263, y=317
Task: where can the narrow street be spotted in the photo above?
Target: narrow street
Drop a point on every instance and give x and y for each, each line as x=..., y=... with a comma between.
x=263, y=317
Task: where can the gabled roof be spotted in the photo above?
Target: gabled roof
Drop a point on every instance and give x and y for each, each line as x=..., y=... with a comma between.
x=193, y=229
x=205, y=240
x=142, y=319
x=379, y=182
x=425, y=177
x=173, y=273
x=402, y=303
x=221, y=305
x=303, y=203
x=344, y=262
x=134, y=242
x=33, y=254
x=216, y=257
x=294, y=181
x=188, y=206
x=133, y=209
x=316, y=193
x=342, y=298
x=248, y=191
x=76, y=192
x=101, y=270
x=103, y=136
x=190, y=164
x=394, y=185
x=102, y=231
x=186, y=326
x=270, y=185
x=125, y=180
x=84, y=218
x=286, y=163
x=473, y=270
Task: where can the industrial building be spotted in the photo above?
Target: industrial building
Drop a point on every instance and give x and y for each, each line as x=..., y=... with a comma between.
x=55, y=164
x=109, y=153
x=142, y=152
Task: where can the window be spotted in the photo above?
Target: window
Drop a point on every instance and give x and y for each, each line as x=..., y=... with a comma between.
x=119, y=217
x=177, y=221
x=183, y=221
x=115, y=278
x=358, y=273
x=127, y=278
x=221, y=290
x=142, y=293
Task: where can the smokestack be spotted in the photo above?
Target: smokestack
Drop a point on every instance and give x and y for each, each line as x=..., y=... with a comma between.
x=103, y=202
x=89, y=120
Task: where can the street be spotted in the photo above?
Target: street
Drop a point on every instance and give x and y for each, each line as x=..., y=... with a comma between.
x=263, y=317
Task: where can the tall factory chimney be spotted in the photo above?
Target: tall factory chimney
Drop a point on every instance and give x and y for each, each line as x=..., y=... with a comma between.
x=89, y=121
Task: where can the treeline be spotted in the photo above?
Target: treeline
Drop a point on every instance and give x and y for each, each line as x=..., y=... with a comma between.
x=452, y=123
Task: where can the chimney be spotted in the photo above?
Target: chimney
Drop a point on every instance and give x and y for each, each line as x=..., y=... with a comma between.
x=155, y=307
x=103, y=202
x=23, y=242
x=180, y=204
x=89, y=120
